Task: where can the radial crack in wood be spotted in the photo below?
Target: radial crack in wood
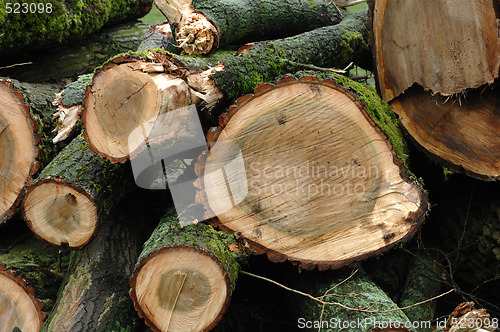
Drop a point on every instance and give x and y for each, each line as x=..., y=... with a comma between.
x=318, y=183
x=446, y=46
x=18, y=150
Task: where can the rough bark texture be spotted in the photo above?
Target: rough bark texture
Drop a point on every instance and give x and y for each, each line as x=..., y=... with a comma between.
x=69, y=104
x=95, y=181
x=69, y=61
x=40, y=98
x=68, y=20
x=167, y=241
x=239, y=21
x=157, y=37
x=286, y=197
x=331, y=46
x=40, y=265
x=95, y=296
x=358, y=292
x=422, y=283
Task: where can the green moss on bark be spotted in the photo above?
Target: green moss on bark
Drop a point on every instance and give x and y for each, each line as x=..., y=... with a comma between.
x=41, y=266
x=68, y=20
x=77, y=165
x=241, y=21
x=94, y=296
x=422, y=283
x=170, y=233
x=358, y=291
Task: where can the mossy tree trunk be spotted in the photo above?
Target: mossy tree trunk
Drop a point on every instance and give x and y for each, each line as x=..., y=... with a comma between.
x=423, y=282
x=42, y=266
x=52, y=22
x=203, y=26
x=79, y=57
x=184, y=277
x=72, y=194
x=95, y=296
x=357, y=292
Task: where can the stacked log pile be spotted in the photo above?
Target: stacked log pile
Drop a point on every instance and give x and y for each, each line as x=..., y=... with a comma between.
x=267, y=148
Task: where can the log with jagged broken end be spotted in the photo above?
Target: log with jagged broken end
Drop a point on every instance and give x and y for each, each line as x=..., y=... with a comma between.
x=306, y=172
x=460, y=61
x=76, y=189
x=19, y=309
x=130, y=91
x=18, y=148
x=185, y=276
x=204, y=26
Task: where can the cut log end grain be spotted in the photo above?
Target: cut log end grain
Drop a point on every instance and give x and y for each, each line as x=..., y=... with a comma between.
x=18, y=150
x=60, y=213
x=181, y=289
x=18, y=306
x=117, y=124
x=460, y=132
x=445, y=46
x=323, y=185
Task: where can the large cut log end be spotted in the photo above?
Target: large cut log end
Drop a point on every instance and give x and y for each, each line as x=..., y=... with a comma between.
x=460, y=132
x=180, y=289
x=185, y=276
x=60, y=213
x=18, y=306
x=302, y=171
x=18, y=148
x=463, y=53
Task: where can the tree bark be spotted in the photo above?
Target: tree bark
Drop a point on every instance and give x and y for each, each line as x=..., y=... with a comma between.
x=423, y=282
x=444, y=88
x=79, y=57
x=184, y=277
x=72, y=194
x=63, y=21
x=357, y=292
x=30, y=275
x=95, y=296
x=204, y=26
x=143, y=81
x=299, y=165
x=157, y=37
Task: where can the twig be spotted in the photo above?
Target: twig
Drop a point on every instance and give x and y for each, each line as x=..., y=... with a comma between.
x=347, y=3
x=340, y=304
x=322, y=297
x=459, y=247
x=17, y=64
x=313, y=67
